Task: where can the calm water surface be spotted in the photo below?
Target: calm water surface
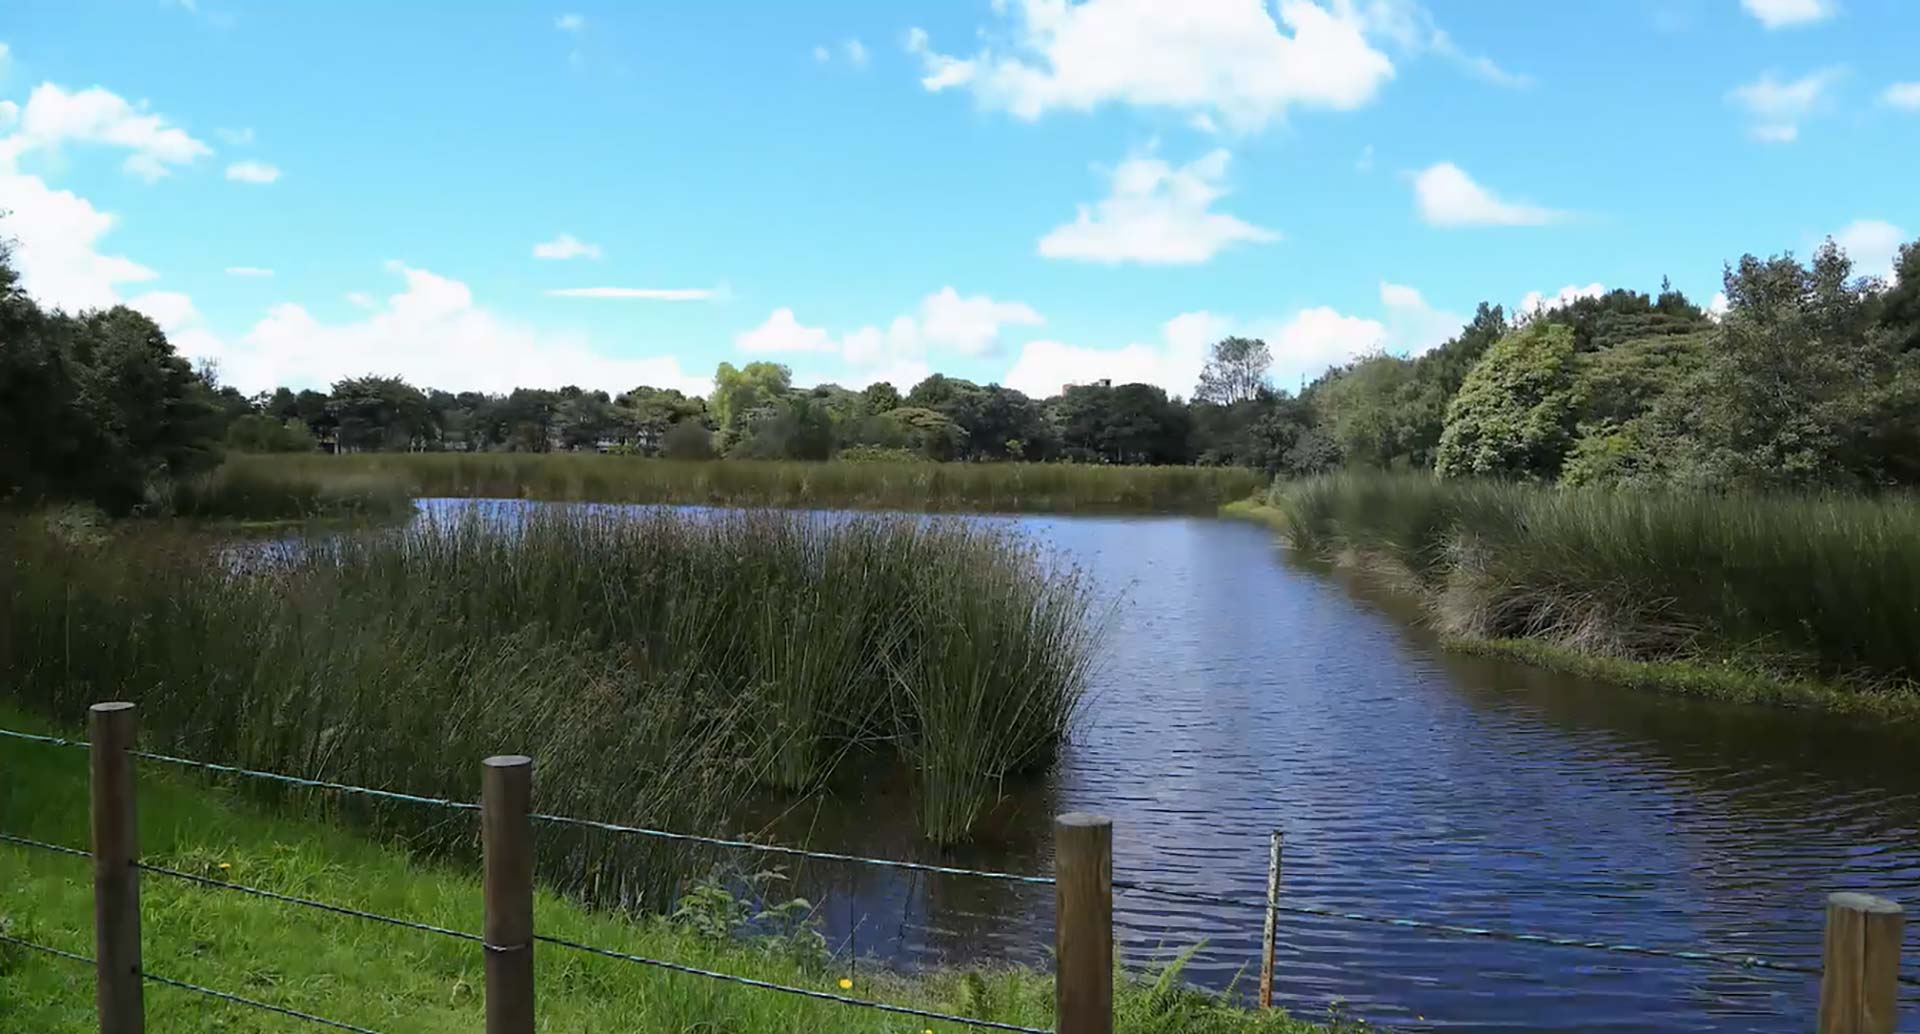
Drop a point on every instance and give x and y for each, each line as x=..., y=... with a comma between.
x=1239, y=691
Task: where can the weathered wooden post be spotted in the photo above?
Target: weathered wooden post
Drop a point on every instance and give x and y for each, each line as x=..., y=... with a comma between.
x=1083, y=923
x=506, y=835
x=1860, y=973
x=116, y=883
x=1273, y=906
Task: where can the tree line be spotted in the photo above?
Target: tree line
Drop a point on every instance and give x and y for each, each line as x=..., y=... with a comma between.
x=1809, y=378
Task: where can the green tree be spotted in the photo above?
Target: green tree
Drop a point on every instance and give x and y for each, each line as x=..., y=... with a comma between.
x=1236, y=372
x=1514, y=416
x=739, y=392
x=381, y=413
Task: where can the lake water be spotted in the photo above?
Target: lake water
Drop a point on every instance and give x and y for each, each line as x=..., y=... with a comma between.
x=1239, y=691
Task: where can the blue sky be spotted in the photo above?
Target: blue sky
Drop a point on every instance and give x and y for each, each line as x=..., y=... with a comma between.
x=479, y=195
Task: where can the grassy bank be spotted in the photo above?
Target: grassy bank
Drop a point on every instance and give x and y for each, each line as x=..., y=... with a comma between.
x=404, y=981
x=661, y=667
x=933, y=487
x=1809, y=601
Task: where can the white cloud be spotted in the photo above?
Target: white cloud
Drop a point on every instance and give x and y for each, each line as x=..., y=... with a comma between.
x=9, y=113
x=565, y=246
x=1412, y=325
x=1777, y=106
x=253, y=172
x=236, y=137
x=1872, y=244
x=1717, y=306
x=822, y=55
x=1535, y=302
x=654, y=294
x=53, y=116
x=945, y=320
x=1413, y=29
x=1225, y=57
x=1202, y=122
x=1155, y=214
x=1044, y=367
x=361, y=299
x=782, y=332
x=570, y=22
x=970, y=326
x=56, y=233
x=1447, y=196
x=1317, y=338
x=432, y=333
x=1782, y=14
x=856, y=52
x=248, y=271
x=1902, y=95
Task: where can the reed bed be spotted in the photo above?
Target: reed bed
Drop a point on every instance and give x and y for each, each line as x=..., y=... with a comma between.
x=661, y=666
x=1816, y=586
x=875, y=485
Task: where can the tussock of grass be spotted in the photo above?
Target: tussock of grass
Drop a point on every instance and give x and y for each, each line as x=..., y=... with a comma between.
x=400, y=980
x=865, y=485
x=1809, y=591
x=660, y=667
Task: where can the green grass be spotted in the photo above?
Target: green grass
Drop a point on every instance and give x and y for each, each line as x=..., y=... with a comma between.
x=1794, y=599
x=865, y=485
x=407, y=982
x=661, y=667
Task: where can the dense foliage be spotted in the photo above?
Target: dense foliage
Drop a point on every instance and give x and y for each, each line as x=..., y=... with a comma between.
x=1810, y=377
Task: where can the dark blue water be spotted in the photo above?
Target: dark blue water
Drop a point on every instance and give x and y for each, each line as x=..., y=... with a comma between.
x=1240, y=691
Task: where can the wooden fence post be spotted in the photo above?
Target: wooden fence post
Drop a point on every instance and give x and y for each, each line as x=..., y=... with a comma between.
x=1083, y=924
x=506, y=835
x=116, y=883
x=1267, y=935
x=1859, y=976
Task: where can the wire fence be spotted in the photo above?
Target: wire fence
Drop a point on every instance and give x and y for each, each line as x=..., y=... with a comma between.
x=1167, y=893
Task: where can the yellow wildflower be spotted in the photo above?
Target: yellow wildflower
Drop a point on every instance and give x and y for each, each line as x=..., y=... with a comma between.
x=846, y=984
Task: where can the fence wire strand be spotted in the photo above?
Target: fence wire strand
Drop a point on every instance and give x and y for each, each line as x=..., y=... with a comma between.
x=315, y=784
x=196, y=988
x=764, y=985
x=36, y=738
x=1550, y=940
x=832, y=856
x=43, y=845
x=323, y=906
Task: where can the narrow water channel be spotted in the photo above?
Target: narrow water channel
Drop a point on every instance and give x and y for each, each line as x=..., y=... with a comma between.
x=1239, y=691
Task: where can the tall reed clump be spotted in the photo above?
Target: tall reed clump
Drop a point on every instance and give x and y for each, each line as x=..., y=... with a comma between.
x=1822, y=586
x=268, y=488
x=866, y=485
x=661, y=667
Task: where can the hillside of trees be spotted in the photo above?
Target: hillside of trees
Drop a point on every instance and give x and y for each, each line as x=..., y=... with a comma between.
x=1810, y=378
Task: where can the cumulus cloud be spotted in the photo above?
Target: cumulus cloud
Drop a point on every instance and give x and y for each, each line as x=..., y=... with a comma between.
x=1902, y=95
x=1776, y=107
x=945, y=321
x=651, y=294
x=856, y=52
x=1535, y=302
x=1872, y=244
x=1156, y=214
x=248, y=271
x=1447, y=196
x=253, y=172
x=1304, y=344
x=570, y=22
x=57, y=237
x=431, y=332
x=1230, y=58
x=1786, y=14
x=54, y=116
x=565, y=246
x=1173, y=362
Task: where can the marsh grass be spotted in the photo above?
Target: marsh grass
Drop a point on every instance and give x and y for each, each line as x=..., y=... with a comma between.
x=273, y=488
x=660, y=666
x=865, y=485
x=1806, y=586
